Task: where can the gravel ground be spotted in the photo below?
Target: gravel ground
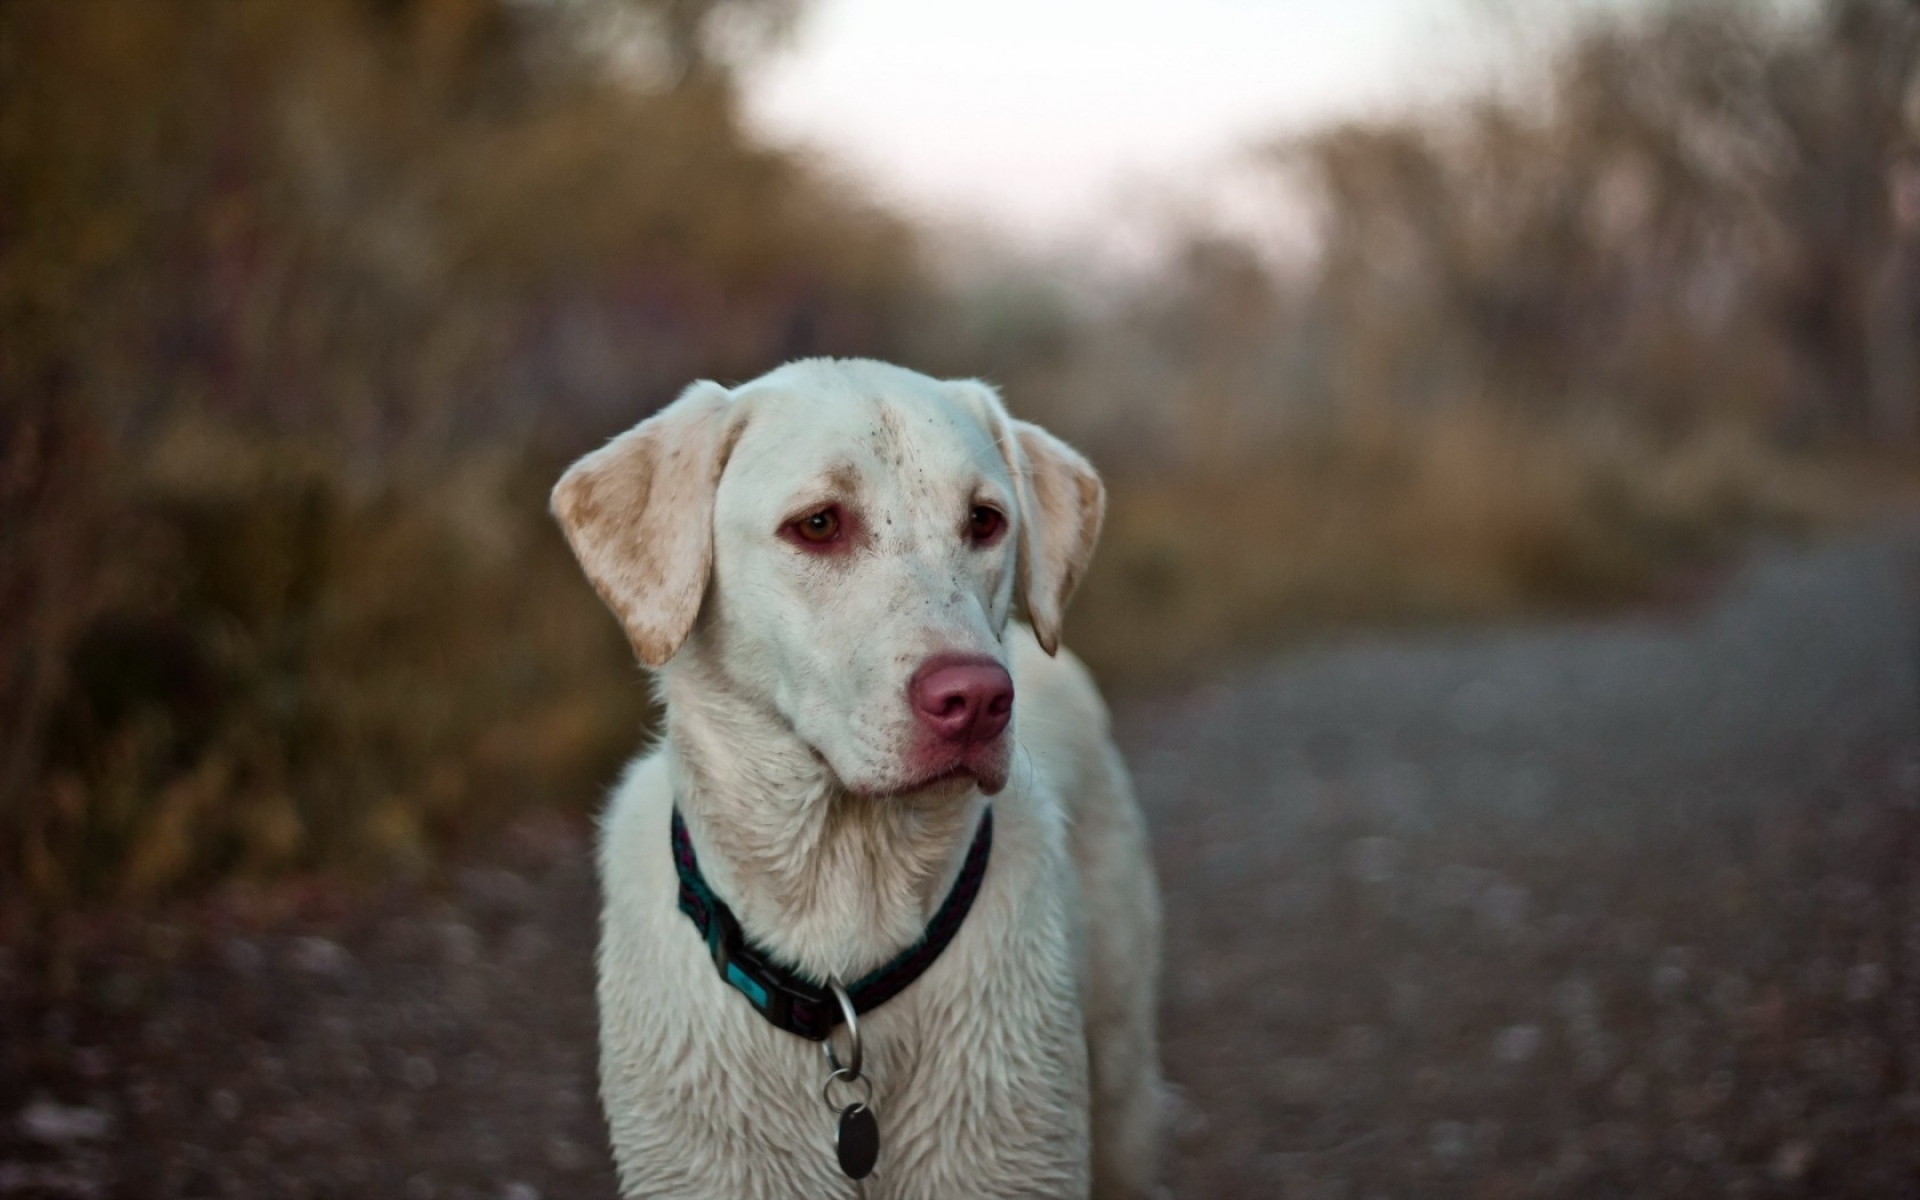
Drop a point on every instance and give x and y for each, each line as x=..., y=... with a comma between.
x=1620, y=908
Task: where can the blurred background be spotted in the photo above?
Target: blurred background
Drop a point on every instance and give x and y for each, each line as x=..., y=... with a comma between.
x=1510, y=410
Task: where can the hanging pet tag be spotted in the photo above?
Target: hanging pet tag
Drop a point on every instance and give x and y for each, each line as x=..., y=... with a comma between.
x=857, y=1141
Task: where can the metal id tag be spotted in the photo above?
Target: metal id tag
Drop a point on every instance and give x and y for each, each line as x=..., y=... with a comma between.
x=857, y=1141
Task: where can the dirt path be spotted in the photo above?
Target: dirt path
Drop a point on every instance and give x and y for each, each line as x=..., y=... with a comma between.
x=1630, y=908
x=1621, y=908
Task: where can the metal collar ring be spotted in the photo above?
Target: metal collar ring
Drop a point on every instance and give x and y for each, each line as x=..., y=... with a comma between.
x=840, y=1075
x=854, y=1057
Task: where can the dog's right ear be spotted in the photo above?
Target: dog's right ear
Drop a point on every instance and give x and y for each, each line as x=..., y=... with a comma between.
x=1062, y=505
x=638, y=513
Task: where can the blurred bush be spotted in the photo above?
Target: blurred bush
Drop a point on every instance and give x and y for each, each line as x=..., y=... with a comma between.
x=303, y=305
x=1465, y=516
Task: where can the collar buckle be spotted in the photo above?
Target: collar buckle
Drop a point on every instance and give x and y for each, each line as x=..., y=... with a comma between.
x=783, y=999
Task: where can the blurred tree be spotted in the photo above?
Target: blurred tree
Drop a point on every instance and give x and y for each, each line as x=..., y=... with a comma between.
x=1893, y=362
x=363, y=217
x=1692, y=223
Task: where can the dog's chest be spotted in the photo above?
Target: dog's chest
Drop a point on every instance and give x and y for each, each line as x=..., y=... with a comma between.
x=979, y=1068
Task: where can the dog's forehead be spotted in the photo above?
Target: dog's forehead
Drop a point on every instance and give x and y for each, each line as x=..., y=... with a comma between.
x=855, y=437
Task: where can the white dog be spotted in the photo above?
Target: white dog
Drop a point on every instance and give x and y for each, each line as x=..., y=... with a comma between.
x=824, y=566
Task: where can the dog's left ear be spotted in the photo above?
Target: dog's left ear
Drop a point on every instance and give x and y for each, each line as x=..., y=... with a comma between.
x=1062, y=505
x=638, y=513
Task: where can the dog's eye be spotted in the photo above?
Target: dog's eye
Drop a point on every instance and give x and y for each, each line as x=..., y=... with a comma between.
x=984, y=524
x=819, y=528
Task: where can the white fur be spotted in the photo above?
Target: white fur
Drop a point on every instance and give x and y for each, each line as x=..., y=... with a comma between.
x=1023, y=1063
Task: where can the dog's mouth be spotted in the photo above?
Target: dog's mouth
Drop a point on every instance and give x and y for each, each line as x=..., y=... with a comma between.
x=961, y=773
x=926, y=769
x=981, y=767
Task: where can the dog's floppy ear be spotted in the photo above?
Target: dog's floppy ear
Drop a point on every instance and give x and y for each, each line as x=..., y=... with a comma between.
x=1062, y=504
x=638, y=513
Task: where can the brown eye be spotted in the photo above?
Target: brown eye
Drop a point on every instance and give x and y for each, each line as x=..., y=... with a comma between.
x=820, y=528
x=984, y=524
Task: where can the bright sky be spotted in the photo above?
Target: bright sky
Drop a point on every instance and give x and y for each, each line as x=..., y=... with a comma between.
x=1041, y=117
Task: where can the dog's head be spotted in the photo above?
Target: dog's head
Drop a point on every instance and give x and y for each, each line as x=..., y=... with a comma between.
x=844, y=543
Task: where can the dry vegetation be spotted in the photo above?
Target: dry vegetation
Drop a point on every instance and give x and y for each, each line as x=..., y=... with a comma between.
x=1455, y=519
x=305, y=303
x=304, y=306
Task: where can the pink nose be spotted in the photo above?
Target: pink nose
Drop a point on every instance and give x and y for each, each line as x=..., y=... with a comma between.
x=962, y=699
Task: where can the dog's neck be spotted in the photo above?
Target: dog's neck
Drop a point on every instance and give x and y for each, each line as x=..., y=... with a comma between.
x=826, y=880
